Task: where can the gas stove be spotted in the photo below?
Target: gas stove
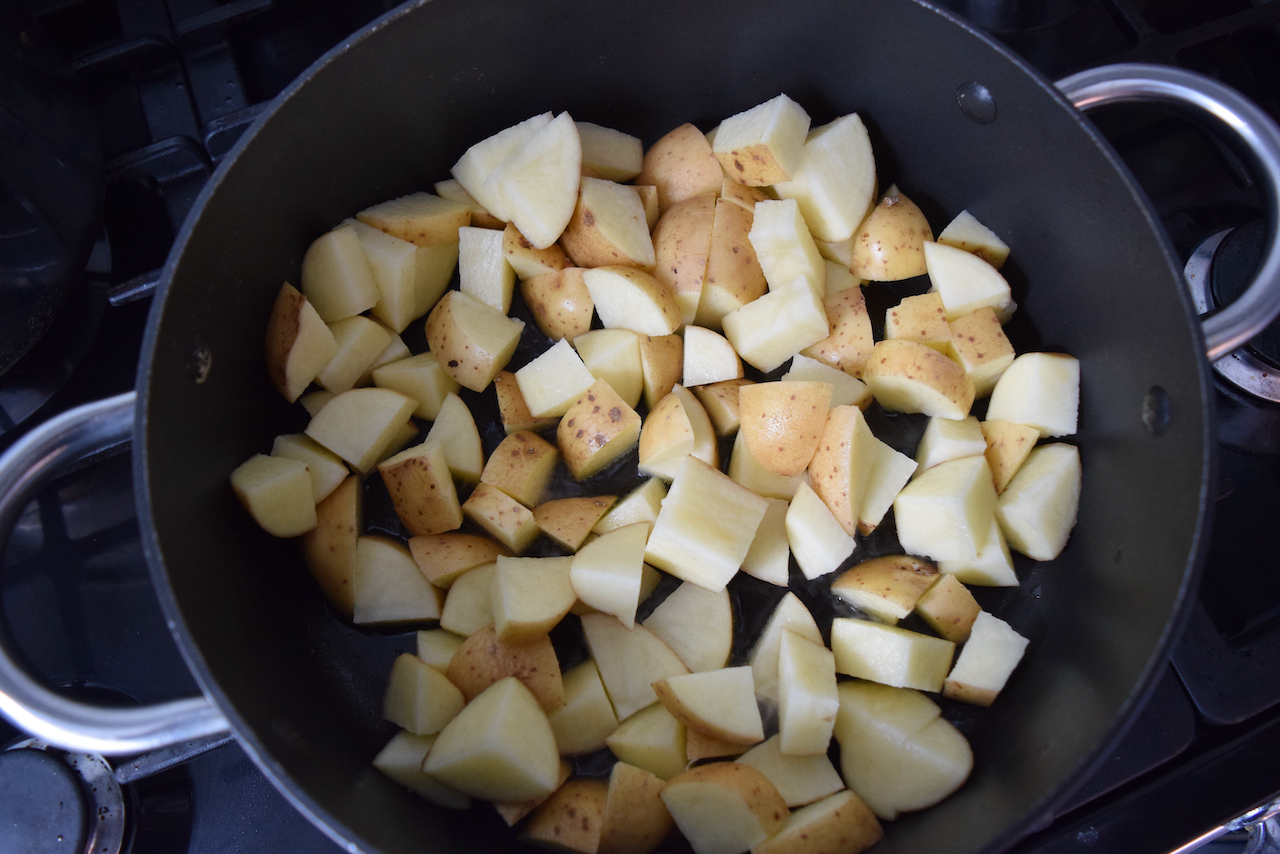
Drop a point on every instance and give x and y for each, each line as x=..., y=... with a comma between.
x=175, y=82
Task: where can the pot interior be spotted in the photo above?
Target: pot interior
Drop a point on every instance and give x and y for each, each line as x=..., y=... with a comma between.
x=392, y=111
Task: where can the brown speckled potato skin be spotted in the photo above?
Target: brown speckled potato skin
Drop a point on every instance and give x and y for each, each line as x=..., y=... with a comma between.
x=850, y=341
x=598, y=428
x=482, y=660
x=681, y=166
x=889, y=245
x=560, y=303
x=571, y=818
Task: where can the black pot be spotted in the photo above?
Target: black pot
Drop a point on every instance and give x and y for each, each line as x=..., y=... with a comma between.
x=956, y=122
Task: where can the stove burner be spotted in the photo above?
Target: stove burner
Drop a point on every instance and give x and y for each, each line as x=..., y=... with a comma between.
x=53, y=801
x=1219, y=270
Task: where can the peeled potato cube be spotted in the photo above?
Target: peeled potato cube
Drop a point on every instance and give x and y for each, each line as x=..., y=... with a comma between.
x=946, y=512
x=480, y=160
x=360, y=341
x=705, y=526
x=890, y=472
x=586, y=719
x=418, y=697
x=946, y=439
x=529, y=596
x=613, y=355
x=359, y=424
x=886, y=588
x=471, y=340
x=421, y=489
x=483, y=271
x=387, y=588
x=394, y=264
x=681, y=165
x=325, y=467
x=521, y=466
x=988, y=658
x=605, y=573
x=784, y=246
x=608, y=153
x=697, y=624
x=836, y=179
x=336, y=278
x=503, y=517
x=277, y=492
x=891, y=242
x=890, y=655
x=1037, y=510
x=920, y=318
x=948, y=608
x=720, y=703
x=768, y=331
x=512, y=409
x=896, y=752
x=455, y=429
x=708, y=358
x=724, y=807
x=807, y=702
x=608, y=227
x=846, y=390
x=745, y=469
x=769, y=558
x=639, y=505
x=401, y=760
x=630, y=661
x=560, y=302
x=1041, y=390
x=783, y=421
x=651, y=739
x=817, y=540
x=629, y=298
x=763, y=145
x=468, y=608
x=790, y=613
x=420, y=218
x=554, y=380
x=420, y=377
x=966, y=282
x=536, y=186
x=499, y=747
x=437, y=647
x=991, y=566
x=298, y=344
x=906, y=376
x=967, y=233
x=799, y=779
x=839, y=822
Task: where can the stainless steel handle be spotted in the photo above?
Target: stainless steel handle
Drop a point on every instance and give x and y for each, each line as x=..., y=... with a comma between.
x=1261, y=823
x=28, y=465
x=1254, y=310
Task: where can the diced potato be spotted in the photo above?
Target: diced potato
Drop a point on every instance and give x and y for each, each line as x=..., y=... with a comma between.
x=705, y=526
x=401, y=760
x=586, y=719
x=890, y=243
x=571, y=818
x=608, y=227
x=697, y=624
x=782, y=422
x=613, y=355
x=360, y=341
x=528, y=262
x=763, y=145
x=676, y=428
x=419, y=698
x=605, y=573
x=842, y=463
x=639, y=505
x=817, y=540
x=681, y=245
x=560, y=302
x=681, y=166
x=784, y=247
x=336, y=278
x=1037, y=510
x=979, y=344
x=745, y=469
x=890, y=472
x=483, y=271
x=720, y=400
x=630, y=661
x=480, y=160
x=949, y=608
x=503, y=517
x=394, y=264
x=325, y=467
x=568, y=521
x=836, y=179
x=329, y=549
x=636, y=821
x=455, y=429
x=724, y=807
x=967, y=233
x=529, y=596
x=450, y=189
x=906, y=376
x=946, y=512
x=790, y=613
x=420, y=377
x=512, y=409
x=277, y=492
x=708, y=358
x=483, y=660
x=628, y=298
x=437, y=647
x=992, y=566
x=387, y=588
x=720, y=703
x=421, y=489
x=661, y=364
x=799, y=779
x=513, y=812
x=420, y=218
x=651, y=739
x=442, y=558
x=986, y=661
x=1007, y=447
x=536, y=185
x=966, y=282
x=920, y=318
x=890, y=655
x=298, y=343
x=846, y=390
x=521, y=466
x=769, y=558
x=608, y=153
x=552, y=381
x=848, y=341
x=807, y=701
x=947, y=439
x=1041, y=390
x=734, y=276
x=886, y=588
x=472, y=341
x=467, y=606
x=773, y=328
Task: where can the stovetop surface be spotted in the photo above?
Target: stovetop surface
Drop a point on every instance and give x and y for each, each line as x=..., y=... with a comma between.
x=174, y=84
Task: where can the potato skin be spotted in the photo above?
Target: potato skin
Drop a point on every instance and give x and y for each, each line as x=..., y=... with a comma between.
x=598, y=428
x=483, y=659
x=560, y=303
x=681, y=165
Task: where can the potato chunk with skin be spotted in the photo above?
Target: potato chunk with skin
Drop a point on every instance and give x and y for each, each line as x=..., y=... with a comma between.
x=503, y=517
x=521, y=466
x=527, y=261
x=849, y=340
x=1037, y=510
x=906, y=376
x=630, y=661
x=419, y=698
x=661, y=364
x=421, y=488
x=472, y=341
x=298, y=343
x=444, y=557
x=560, y=303
x=483, y=660
x=720, y=703
x=790, y=613
x=613, y=355
x=720, y=400
x=799, y=779
x=677, y=427
x=724, y=807
x=747, y=470
x=628, y=298
x=420, y=218
x=608, y=227
x=967, y=233
x=568, y=521
x=949, y=608
x=890, y=243
x=988, y=658
x=512, y=409
x=763, y=145
x=552, y=381
x=920, y=318
x=782, y=422
x=734, y=276
x=329, y=549
x=840, y=822
x=682, y=244
x=681, y=166
x=887, y=587
x=277, y=492
x=387, y=588
x=635, y=818
x=1007, y=447
x=326, y=468
x=597, y=429
x=979, y=344
x=571, y=819
x=846, y=389
x=966, y=282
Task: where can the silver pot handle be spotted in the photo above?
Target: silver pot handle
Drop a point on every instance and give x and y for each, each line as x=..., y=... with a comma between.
x=25, y=468
x=1254, y=309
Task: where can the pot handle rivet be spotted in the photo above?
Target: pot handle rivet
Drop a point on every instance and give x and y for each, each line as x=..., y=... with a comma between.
x=976, y=102
x=1255, y=309
x=1156, y=410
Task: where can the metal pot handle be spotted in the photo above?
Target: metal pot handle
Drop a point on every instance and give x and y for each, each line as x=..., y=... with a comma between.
x=1254, y=309
x=25, y=468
